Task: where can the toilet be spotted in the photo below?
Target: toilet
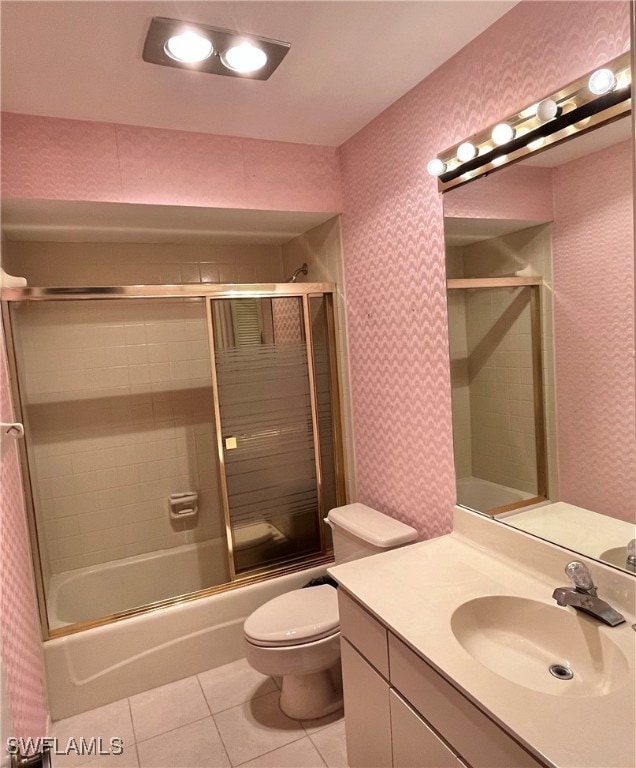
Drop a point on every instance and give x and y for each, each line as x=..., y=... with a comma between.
x=296, y=635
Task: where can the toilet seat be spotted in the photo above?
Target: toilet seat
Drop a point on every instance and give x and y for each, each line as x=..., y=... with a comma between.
x=295, y=618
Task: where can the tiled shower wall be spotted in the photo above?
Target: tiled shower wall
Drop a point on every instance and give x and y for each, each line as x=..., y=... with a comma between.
x=501, y=395
x=120, y=403
x=119, y=412
x=500, y=352
x=321, y=249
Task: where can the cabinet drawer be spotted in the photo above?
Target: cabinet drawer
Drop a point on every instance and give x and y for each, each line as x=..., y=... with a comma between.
x=364, y=632
x=414, y=743
x=477, y=739
x=367, y=712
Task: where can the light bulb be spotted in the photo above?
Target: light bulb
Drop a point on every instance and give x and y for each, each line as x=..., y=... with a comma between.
x=244, y=58
x=502, y=134
x=466, y=152
x=436, y=167
x=500, y=160
x=547, y=109
x=536, y=143
x=602, y=81
x=623, y=79
x=188, y=47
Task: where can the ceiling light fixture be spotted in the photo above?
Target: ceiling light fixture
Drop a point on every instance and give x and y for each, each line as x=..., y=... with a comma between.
x=466, y=152
x=244, y=58
x=602, y=81
x=186, y=45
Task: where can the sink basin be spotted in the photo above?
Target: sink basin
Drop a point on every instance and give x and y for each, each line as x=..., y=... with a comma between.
x=615, y=556
x=520, y=639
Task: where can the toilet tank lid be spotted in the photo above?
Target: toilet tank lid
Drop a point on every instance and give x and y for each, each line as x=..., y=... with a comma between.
x=372, y=526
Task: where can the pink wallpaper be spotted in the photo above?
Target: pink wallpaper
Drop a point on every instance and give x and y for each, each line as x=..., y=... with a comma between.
x=19, y=634
x=594, y=268
x=50, y=158
x=517, y=193
x=394, y=250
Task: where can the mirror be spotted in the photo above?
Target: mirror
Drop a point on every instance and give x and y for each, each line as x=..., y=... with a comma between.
x=540, y=268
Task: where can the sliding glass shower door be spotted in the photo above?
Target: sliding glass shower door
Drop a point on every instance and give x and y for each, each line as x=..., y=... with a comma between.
x=176, y=440
x=267, y=426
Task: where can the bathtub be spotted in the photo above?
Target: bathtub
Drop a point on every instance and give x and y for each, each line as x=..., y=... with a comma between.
x=101, y=590
x=482, y=495
x=99, y=665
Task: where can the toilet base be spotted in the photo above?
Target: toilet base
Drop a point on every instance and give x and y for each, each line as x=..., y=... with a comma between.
x=308, y=697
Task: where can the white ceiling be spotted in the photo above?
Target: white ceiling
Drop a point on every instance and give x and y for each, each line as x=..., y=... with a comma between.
x=349, y=60
x=89, y=222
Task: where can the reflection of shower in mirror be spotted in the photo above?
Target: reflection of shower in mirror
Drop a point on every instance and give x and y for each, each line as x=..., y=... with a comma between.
x=556, y=226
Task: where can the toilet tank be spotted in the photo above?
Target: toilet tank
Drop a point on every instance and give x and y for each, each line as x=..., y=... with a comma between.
x=359, y=531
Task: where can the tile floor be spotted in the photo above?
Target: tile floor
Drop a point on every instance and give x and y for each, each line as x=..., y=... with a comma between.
x=228, y=716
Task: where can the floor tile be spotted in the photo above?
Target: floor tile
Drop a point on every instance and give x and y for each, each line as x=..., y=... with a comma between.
x=330, y=742
x=256, y=727
x=168, y=707
x=127, y=759
x=233, y=684
x=298, y=754
x=110, y=721
x=313, y=726
x=196, y=745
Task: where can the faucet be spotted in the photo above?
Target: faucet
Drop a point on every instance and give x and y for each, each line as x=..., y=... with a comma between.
x=631, y=556
x=583, y=596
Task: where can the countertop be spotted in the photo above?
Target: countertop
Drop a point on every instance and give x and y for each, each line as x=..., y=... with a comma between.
x=414, y=592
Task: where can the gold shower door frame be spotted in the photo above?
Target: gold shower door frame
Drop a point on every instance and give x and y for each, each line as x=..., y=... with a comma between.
x=335, y=415
x=304, y=291
x=534, y=284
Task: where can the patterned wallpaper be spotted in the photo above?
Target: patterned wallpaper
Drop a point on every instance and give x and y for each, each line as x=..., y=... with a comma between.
x=394, y=250
x=19, y=634
x=519, y=193
x=51, y=158
x=594, y=268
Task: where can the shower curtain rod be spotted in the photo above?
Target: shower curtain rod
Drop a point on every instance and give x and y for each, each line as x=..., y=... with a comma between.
x=191, y=290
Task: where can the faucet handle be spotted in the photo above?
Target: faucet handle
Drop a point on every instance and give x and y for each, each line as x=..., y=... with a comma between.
x=579, y=574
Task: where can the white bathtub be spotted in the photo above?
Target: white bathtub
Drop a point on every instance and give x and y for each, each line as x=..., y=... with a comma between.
x=101, y=590
x=482, y=495
x=96, y=666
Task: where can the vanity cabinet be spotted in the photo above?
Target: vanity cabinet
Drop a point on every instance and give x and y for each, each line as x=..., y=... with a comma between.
x=400, y=712
x=414, y=743
x=368, y=718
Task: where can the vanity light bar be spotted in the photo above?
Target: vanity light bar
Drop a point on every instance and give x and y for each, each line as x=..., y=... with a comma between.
x=576, y=108
x=194, y=46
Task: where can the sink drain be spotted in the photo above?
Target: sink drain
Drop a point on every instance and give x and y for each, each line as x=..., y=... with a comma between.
x=561, y=672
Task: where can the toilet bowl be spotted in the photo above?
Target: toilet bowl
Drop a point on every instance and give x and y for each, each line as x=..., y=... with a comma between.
x=296, y=635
